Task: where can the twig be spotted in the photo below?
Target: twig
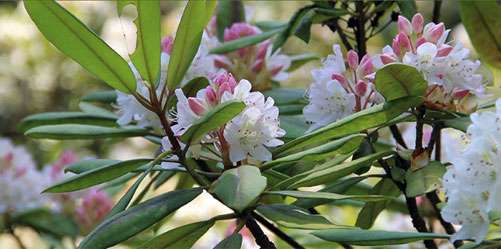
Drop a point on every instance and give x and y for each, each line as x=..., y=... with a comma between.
x=334, y=27
x=397, y=136
x=449, y=228
x=294, y=244
x=261, y=239
x=436, y=10
x=419, y=128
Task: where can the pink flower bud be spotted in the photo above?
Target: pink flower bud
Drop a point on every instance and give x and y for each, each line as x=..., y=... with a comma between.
x=196, y=105
x=395, y=46
x=436, y=32
x=95, y=206
x=420, y=41
x=387, y=59
x=366, y=65
x=221, y=62
x=262, y=49
x=404, y=42
x=167, y=43
x=352, y=57
x=361, y=88
x=239, y=30
x=417, y=23
x=459, y=94
x=276, y=69
x=341, y=79
x=225, y=77
x=444, y=50
x=257, y=66
x=404, y=26
x=210, y=95
x=225, y=87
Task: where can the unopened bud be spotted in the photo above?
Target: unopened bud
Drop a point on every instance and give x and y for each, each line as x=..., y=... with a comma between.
x=257, y=66
x=404, y=26
x=387, y=59
x=210, y=95
x=361, y=88
x=341, y=79
x=352, y=57
x=196, y=105
x=417, y=23
x=404, y=42
x=167, y=43
x=444, y=50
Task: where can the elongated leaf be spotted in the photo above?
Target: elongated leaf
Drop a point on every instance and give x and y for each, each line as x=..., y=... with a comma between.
x=461, y=123
x=77, y=41
x=228, y=12
x=213, y=120
x=318, y=153
x=190, y=89
x=101, y=96
x=284, y=96
x=300, y=59
x=240, y=187
x=360, y=121
x=96, y=176
x=294, y=126
x=86, y=165
x=132, y=221
x=333, y=173
x=371, y=211
x=327, y=196
x=44, y=220
x=77, y=131
x=294, y=217
x=234, y=241
x=181, y=237
x=396, y=81
x=425, y=179
x=56, y=118
x=146, y=56
x=481, y=20
x=338, y=187
x=196, y=15
x=126, y=198
x=93, y=109
x=361, y=237
x=243, y=42
x=408, y=8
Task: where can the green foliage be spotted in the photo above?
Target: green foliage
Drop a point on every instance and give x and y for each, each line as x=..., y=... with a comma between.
x=230, y=46
x=232, y=241
x=326, y=195
x=395, y=81
x=425, y=179
x=300, y=59
x=124, y=201
x=195, y=17
x=106, y=97
x=46, y=221
x=374, y=238
x=294, y=217
x=481, y=20
x=57, y=118
x=146, y=56
x=239, y=187
x=86, y=165
x=407, y=8
x=181, y=237
x=228, y=12
x=77, y=41
x=212, y=120
x=190, y=89
x=81, y=131
x=371, y=211
x=96, y=176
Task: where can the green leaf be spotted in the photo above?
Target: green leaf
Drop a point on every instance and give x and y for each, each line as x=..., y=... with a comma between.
x=326, y=195
x=190, y=89
x=294, y=126
x=243, y=42
x=318, y=153
x=291, y=27
x=294, y=217
x=370, y=211
x=107, y=97
x=425, y=179
x=284, y=96
x=44, y=220
x=228, y=12
x=90, y=164
x=78, y=131
x=296, y=109
x=361, y=237
x=80, y=43
x=132, y=221
x=196, y=15
x=337, y=187
x=179, y=238
x=395, y=81
x=124, y=201
x=355, y=123
x=301, y=59
x=233, y=241
x=461, y=123
x=57, y=118
x=481, y=20
x=407, y=8
x=212, y=120
x=93, y=109
x=146, y=56
x=330, y=174
x=96, y=176
x=239, y=187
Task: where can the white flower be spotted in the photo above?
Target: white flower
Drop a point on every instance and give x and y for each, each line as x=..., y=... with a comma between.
x=473, y=183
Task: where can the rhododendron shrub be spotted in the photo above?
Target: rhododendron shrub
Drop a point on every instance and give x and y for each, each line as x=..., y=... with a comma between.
x=211, y=99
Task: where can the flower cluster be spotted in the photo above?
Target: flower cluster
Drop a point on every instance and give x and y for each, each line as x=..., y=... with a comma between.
x=452, y=78
x=338, y=91
x=130, y=110
x=473, y=184
x=256, y=63
x=248, y=134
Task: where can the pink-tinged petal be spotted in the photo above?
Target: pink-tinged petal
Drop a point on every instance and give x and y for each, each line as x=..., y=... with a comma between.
x=211, y=96
x=262, y=49
x=225, y=77
x=239, y=30
x=395, y=46
x=420, y=41
x=404, y=42
x=167, y=43
x=459, y=94
x=444, y=50
x=436, y=32
x=366, y=65
x=341, y=79
x=404, y=26
x=387, y=59
x=276, y=69
x=221, y=62
x=361, y=88
x=196, y=106
x=257, y=66
x=417, y=23
x=225, y=87
x=352, y=57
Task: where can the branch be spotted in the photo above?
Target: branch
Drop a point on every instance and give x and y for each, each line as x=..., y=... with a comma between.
x=436, y=10
x=449, y=228
x=277, y=231
x=261, y=239
x=397, y=136
x=334, y=26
